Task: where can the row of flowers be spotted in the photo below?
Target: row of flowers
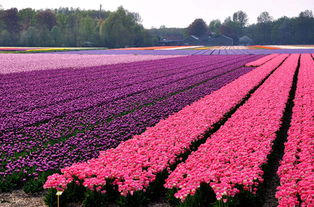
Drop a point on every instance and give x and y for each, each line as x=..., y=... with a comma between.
x=264, y=47
x=12, y=63
x=58, y=89
x=296, y=171
x=105, y=93
x=15, y=80
x=114, y=108
x=79, y=136
x=134, y=164
x=16, y=83
x=233, y=156
x=262, y=60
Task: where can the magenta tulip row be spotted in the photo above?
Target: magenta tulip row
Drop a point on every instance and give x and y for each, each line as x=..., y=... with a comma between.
x=261, y=61
x=134, y=164
x=235, y=153
x=296, y=171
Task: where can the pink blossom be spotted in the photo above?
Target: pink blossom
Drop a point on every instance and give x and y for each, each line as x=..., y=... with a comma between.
x=296, y=171
x=235, y=153
x=262, y=60
x=133, y=165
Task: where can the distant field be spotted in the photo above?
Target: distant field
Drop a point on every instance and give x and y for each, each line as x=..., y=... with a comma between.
x=42, y=49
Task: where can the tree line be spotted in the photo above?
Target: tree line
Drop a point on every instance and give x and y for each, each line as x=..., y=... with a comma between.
x=295, y=30
x=72, y=28
x=68, y=27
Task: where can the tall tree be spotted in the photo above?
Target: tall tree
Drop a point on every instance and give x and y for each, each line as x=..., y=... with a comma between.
x=264, y=17
x=71, y=30
x=44, y=37
x=120, y=29
x=227, y=30
x=306, y=14
x=232, y=29
x=214, y=26
x=2, y=25
x=304, y=26
x=198, y=28
x=56, y=36
x=87, y=30
x=27, y=17
x=30, y=37
x=5, y=38
x=11, y=20
x=46, y=18
x=240, y=17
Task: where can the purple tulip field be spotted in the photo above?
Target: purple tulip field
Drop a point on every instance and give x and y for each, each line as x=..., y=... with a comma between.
x=189, y=127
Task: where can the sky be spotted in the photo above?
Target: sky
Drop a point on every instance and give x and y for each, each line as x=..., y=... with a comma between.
x=177, y=13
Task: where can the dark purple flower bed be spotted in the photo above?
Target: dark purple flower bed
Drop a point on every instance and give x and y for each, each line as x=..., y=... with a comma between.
x=51, y=119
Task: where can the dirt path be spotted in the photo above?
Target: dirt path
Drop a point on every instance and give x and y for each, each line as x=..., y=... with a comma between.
x=19, y=198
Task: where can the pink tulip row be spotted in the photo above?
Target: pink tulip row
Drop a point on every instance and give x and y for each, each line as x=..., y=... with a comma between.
x=235, y=153
x=11, y=63
x=261, y=61
x=296, y=171
x=133, y=165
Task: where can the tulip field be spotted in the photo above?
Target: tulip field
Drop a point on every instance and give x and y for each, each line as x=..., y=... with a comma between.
x=191, y=127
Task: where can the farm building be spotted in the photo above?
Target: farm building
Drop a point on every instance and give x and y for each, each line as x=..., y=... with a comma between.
x=208, y=40
x=245, y=40
x=169, y=42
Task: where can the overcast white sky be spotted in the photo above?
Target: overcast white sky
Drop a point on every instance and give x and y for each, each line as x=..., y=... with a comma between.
x=177, y=13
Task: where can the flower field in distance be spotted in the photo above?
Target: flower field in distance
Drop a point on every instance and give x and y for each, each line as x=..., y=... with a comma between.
x=122, y=128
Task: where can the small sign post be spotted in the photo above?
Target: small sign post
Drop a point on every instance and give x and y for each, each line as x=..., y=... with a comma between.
x=59, y=193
